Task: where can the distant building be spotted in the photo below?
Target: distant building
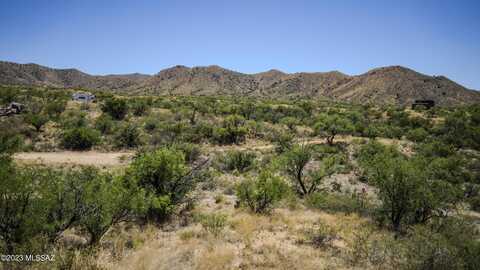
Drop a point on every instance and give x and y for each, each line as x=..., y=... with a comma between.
x=426, y=103
x=83, y=97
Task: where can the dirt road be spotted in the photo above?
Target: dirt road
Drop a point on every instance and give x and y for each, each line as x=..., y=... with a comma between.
x=81, y=158
x=110, y=159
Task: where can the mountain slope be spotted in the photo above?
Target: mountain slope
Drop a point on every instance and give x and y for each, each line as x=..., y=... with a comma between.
x=387, y=85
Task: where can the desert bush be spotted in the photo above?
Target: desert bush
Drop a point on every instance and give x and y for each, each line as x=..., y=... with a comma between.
x=10, y=140
x=151, y=123
x=290, y=122
x=475, y=202
x=104, y=124
x=139, y=107
x=163, y=175
x=460, y=130
x=17, y=206
x=231, y=131
x=294, y=163
x=128, y=136
x=36, y=120
x=105, y=202
x=73, y=119
x=356, y=202
x=262, y=193
x=81, y=138
x=332, y=125
x=409, y=193
x=116, y=108
x=213, y=223
x=191, y=151
x=55, y=108
x=435, y=148
x=8, y=94
x=417, y=135
x=319, y=235
x=240, y=161
x=283, y=141
x=428, y=250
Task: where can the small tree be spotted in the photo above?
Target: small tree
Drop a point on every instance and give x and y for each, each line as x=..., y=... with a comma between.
x=36, y=120
x=164, y=177
x=238, y=160
x=290, y=122
x=21, y=209
x=104, y=124
x=295, y=162
x=261, y=194
x=332, y=125
x=232, y=130
x=139, y=107
x=105, y=202
x=116, y=108
x=127, y=136
x=409, y=191
x=55, y=108
x=81, y=138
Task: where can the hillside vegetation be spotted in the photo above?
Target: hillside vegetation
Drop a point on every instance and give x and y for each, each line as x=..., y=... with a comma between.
x=222, y=182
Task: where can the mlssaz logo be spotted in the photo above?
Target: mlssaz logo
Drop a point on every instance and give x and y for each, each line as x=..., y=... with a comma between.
x=39, y=258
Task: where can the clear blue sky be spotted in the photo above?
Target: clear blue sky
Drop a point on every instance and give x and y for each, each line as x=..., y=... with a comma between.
x=101, y=37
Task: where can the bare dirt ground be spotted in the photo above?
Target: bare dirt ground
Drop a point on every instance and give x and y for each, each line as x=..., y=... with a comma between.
x=93, y=158
x=109, y=159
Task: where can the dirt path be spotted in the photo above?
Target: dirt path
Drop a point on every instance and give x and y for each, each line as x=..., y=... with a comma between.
x=110, y=159
x=81, y=158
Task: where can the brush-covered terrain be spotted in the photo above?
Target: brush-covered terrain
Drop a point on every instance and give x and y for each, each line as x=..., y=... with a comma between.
x=217, y=182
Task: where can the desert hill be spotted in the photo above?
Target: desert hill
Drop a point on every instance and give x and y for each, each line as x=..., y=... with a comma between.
x=386, y=85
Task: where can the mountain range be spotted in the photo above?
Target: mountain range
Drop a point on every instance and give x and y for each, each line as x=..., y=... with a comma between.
x=385, y=85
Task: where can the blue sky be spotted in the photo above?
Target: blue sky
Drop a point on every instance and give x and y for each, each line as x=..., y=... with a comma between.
x=104, y=37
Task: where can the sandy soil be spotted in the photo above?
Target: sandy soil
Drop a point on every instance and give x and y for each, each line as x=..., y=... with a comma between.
x=120, y=158
x=81, y=158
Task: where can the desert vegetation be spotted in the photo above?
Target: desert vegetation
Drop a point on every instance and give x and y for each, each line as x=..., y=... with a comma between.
x=220, y=182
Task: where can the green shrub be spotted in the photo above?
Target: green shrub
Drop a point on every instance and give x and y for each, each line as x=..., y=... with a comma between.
x=290, y=122
x=116, y=108
x=429, y=250
x=475, y=203
x=55, y=108
x=191, y=151
x=409, y=193
x=74, y=119
x=105, y=202
x=294, y=163
x=231, y=131
x=332, y=202
x=320, y=235
x=262, y=193
x=104, y=124
x=17, y=206
x=283, y=141
x=213, y=223
x=417, y=135
x=128, y=135
x=151, y=124
x=36, y=120
x=8, y=94
x=435, y=149
x=240, y=161
x=139, y=107
x=10, y=140
x=332, y=125
x=163, y=176
x=81, y=138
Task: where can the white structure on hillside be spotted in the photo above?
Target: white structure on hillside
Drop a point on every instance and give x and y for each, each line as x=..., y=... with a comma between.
x=83, y=97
